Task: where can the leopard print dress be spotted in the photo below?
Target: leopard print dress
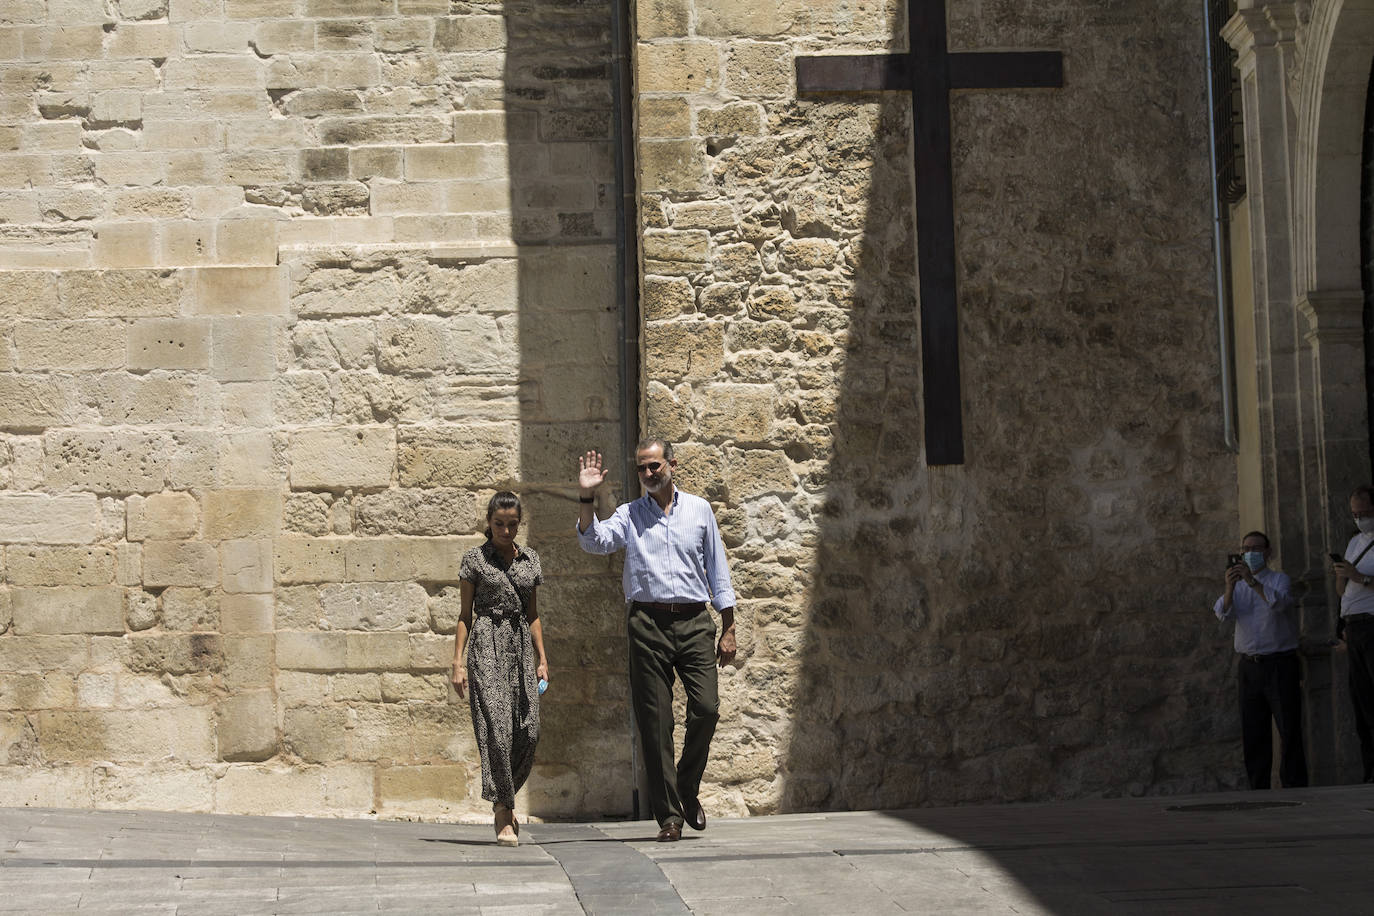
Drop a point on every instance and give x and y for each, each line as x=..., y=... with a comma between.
x=503, y=689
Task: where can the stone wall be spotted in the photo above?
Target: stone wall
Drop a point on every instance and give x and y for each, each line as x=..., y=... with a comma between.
x=1034, y=623
x=287, y=289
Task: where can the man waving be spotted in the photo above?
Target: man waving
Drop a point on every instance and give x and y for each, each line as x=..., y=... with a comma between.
x=674, y=565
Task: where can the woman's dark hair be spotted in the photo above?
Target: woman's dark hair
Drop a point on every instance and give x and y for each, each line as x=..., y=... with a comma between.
x=505, y=499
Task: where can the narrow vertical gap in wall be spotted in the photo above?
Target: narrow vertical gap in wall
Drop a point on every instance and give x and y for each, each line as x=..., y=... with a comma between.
x=1367, y=252
x=627, y=278
x=626, y=227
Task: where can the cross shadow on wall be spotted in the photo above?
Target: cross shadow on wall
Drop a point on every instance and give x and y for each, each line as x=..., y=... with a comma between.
x=960, y=644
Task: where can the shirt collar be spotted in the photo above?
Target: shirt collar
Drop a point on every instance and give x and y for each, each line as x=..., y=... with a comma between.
x=653, y=503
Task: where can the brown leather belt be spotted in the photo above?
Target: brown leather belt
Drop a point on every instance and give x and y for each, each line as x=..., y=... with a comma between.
x=691, y=607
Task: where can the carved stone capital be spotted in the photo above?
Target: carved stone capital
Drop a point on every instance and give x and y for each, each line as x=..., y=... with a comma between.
x=1260, y=24
x=1243, y=31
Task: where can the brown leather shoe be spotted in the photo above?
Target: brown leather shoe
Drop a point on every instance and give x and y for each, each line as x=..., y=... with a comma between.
x=696, y=815
x=670, y=833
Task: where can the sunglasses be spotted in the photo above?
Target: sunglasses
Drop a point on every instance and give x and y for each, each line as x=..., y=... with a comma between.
x=649, y=468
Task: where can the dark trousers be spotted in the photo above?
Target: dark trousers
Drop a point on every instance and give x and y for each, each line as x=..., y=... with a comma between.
x=1359, y=641
x=1271, y=687
x=662, y=644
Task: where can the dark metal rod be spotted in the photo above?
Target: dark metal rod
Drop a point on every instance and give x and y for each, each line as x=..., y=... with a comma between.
x=1221, y=252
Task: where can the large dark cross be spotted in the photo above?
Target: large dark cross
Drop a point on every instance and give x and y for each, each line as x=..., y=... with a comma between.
x=930, y=72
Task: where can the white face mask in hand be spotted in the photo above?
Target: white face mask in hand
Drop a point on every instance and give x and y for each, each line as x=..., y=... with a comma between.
x=1366, y=524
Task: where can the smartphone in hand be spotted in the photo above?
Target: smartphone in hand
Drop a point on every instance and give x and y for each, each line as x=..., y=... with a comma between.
x=1336, y=558
x=1233, y=559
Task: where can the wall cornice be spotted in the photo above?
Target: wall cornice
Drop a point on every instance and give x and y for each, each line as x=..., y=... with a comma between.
x=1333, y=316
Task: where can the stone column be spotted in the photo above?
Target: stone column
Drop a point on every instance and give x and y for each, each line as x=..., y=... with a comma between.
x=1262, y=35
x=1336, y=399
x=1335, y=336
x=1309, y=400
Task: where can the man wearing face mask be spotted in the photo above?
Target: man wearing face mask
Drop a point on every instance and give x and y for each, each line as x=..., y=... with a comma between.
x=1355, y=585
x=1269, y=679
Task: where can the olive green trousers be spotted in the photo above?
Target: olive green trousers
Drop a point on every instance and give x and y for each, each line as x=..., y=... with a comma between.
x=663, y=645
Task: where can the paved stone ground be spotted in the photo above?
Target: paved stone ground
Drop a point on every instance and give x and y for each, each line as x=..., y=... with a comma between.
x=1300, y=850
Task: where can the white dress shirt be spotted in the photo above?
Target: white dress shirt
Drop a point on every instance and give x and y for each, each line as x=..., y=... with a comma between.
x=1357, y=598
x=1263, y=625
x=674, y=558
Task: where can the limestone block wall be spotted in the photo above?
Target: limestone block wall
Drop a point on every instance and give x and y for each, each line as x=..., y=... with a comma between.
x=1034, y=623
x=287, y=289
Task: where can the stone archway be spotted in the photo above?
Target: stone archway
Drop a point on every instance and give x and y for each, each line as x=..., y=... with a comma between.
x=1338, y=50
x=1329, y=160
x=1305, y=69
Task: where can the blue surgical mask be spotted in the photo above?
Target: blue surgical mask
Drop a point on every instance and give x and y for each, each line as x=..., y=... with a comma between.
x=1365, y=524
x=1253, y=559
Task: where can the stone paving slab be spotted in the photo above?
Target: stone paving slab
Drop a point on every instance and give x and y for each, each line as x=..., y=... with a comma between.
x=1276, y=852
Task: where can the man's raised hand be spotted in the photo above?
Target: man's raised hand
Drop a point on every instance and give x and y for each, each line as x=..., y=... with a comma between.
x=590, y=472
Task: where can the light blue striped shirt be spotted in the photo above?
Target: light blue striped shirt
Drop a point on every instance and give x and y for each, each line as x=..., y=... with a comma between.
x=677, y=557
x=1263, y=625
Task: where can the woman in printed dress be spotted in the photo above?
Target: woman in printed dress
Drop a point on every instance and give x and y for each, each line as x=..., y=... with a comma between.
x=498, y=658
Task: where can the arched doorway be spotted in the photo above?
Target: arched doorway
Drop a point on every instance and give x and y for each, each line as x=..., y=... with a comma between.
x=1333, y=226
x=1306, y=79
